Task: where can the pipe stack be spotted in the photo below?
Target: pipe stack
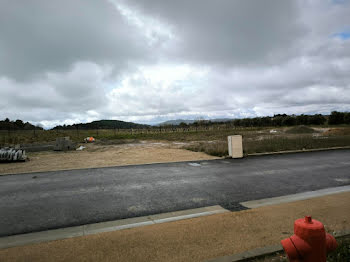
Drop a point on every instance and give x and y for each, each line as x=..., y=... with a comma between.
x=9, y=154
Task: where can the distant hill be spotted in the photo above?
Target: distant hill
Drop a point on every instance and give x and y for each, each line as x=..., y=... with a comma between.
x=179, y=121
x=104, y=124
x=176, y=122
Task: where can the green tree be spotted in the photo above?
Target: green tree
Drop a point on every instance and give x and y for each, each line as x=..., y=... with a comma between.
x=19, y=123
x=317, y=120
x=347, y=118
x=183, y=125
x=302, y=120
x=288, y=121
x=336, y=118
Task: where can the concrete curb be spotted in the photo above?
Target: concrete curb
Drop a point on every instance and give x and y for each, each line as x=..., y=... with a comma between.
x=254, y=253
x=264, y=251
x=298, y=151
x=90, y=229
x=295, y=197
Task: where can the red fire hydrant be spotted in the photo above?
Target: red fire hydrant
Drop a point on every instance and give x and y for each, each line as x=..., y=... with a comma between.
x=310, y=242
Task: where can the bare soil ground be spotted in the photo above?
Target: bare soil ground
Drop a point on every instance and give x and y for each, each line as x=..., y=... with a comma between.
x=197, y=239
x=131, y=149
x=103, y=155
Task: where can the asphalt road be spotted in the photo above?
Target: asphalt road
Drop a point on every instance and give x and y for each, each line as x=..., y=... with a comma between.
x=48, y=200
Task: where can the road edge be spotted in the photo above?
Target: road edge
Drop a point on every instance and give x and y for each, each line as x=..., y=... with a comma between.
x=109, y=226
x=295, y=197
x=299, y=151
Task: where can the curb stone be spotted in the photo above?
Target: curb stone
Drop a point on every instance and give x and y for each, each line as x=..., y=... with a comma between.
x=90, y=229
x=298, y=151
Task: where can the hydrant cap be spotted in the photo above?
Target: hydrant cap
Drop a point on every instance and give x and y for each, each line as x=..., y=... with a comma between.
x=308, y=223
x=308, y=219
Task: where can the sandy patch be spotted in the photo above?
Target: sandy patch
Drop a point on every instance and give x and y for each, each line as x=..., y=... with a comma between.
x=95, y=155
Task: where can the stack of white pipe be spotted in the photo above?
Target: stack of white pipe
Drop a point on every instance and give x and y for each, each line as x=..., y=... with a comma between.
x=10, y=154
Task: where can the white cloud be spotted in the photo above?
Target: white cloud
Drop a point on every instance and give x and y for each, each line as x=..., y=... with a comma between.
x=150, y=61
x=75, y=94
x=156, y=90
x=156, y=32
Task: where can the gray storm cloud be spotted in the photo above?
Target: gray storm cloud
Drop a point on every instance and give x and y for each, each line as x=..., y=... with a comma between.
x=153, y=60
x=49, y=36
x=229, y=33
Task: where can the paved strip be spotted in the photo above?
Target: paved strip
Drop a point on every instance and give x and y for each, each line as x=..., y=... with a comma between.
x=84, y=230
x=294, y=197
x=194, y=240
x=52, y=200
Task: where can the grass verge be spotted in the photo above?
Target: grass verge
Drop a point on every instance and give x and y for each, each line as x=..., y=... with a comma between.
x=272, y=144
x=341, y=254
x=212, y=142
x=41, y=136
x=276, y=144
x=215, y=149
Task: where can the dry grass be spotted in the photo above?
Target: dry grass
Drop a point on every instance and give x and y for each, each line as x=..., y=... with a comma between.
x=215, y=148
x=338, y=132
x=271, y=143
x=275, y=144
x=300, y=130
x=212, y=142
x=41, y=136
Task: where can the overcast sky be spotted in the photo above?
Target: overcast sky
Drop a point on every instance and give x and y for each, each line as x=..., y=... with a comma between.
x=148, y=61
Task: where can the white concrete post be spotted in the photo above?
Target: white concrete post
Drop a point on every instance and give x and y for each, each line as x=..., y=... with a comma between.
x=235, y=146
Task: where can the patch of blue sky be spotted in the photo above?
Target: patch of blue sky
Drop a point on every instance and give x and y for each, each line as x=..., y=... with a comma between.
x=342, y=35
x=339, y=2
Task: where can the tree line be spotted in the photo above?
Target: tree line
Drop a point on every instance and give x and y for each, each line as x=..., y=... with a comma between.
x=335, y=118
x=338, y=118
x=18, y=124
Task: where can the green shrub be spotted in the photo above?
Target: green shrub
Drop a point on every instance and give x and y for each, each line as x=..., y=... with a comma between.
x=218, y=148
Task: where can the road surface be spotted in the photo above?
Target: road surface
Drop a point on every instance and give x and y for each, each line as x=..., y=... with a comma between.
x=41, y=201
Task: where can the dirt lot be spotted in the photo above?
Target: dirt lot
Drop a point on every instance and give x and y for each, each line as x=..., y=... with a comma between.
x=143, y=148
x=102, y=155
